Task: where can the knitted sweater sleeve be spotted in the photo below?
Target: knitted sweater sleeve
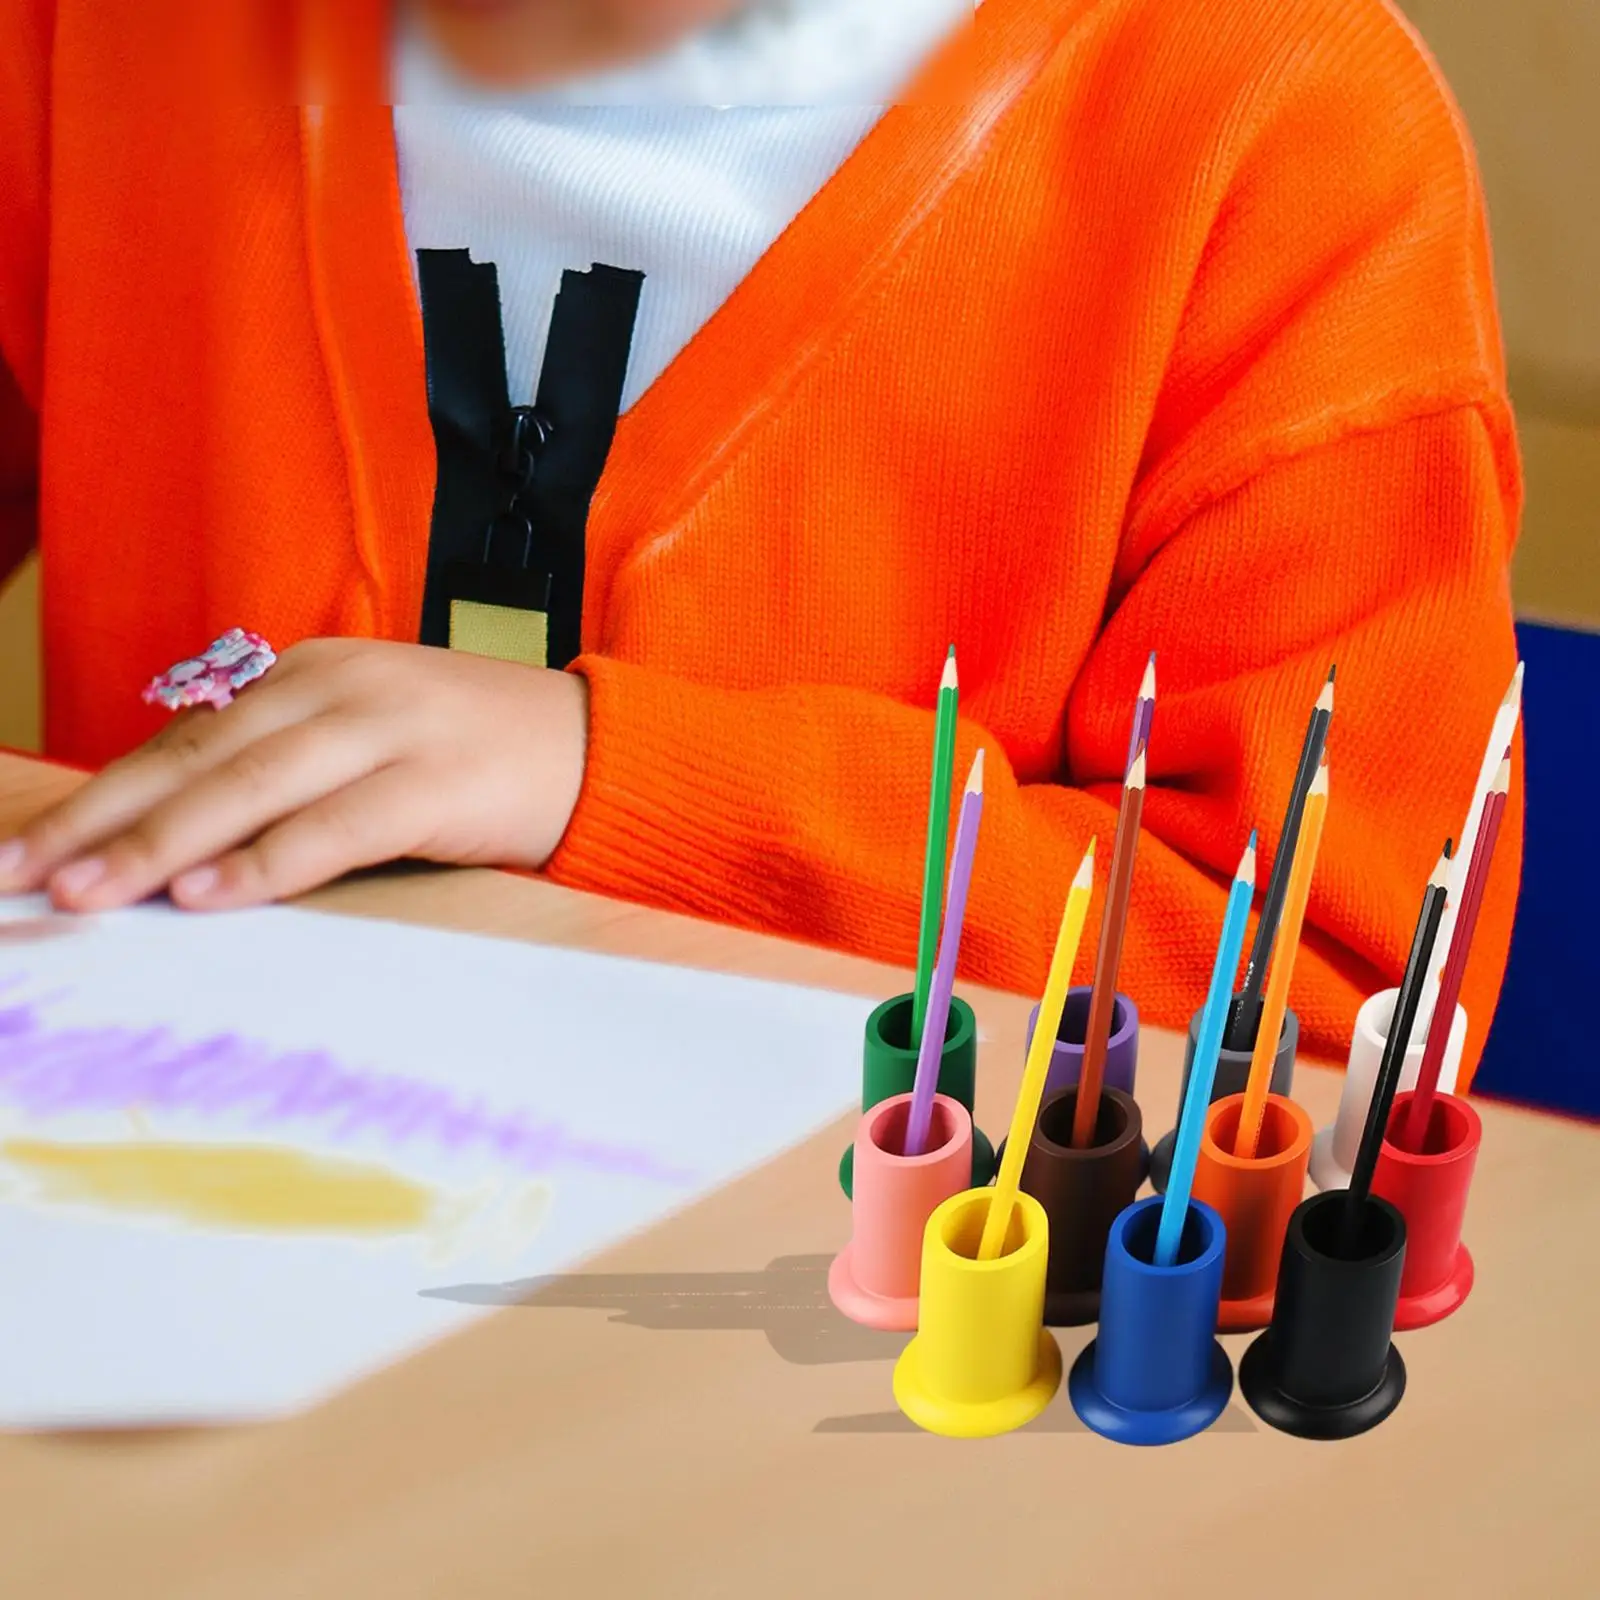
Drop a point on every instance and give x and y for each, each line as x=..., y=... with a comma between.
x=26, y=26
x=18, y=476
x=800, y=810
x=1327, y=474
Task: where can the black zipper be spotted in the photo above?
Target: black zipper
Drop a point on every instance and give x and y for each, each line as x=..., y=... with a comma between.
x=515, y=483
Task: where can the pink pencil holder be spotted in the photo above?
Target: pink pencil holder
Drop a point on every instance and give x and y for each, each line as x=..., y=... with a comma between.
x=874, y=1280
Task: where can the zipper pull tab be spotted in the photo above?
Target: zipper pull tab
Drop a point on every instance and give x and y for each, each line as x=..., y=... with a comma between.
x=524, y=434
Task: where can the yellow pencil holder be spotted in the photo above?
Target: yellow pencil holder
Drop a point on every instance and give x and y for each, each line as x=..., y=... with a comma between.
x=982, y=1361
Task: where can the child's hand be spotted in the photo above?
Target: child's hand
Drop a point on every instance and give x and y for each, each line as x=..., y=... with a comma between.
x=348, y=753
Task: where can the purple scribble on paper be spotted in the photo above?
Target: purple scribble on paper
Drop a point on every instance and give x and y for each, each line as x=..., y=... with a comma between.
x=50, y=1071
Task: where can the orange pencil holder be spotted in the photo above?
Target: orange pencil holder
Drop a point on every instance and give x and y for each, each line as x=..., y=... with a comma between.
x=1255, y=1199
x=1232, y=1074
x=1429, y=1189
x=875, y=1279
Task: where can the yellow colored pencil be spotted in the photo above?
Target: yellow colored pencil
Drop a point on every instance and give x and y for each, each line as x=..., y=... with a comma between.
x=1039, y=1054
x=1277, y=998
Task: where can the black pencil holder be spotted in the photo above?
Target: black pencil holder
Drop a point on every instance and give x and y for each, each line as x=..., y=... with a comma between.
x=1233, y=1072
x=1327, y=1368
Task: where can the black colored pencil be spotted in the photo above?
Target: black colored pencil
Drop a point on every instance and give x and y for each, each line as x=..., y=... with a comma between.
x=1395, y=1045
x=1247, y=1009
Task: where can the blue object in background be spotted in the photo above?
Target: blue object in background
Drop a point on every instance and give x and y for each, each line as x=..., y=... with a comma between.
x=1542, y=1048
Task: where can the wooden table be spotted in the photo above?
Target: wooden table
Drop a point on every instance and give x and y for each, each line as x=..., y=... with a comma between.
x=687, y=1416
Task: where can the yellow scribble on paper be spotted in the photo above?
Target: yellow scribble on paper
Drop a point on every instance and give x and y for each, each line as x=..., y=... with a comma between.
x=243, y=1186
x=495, y=1218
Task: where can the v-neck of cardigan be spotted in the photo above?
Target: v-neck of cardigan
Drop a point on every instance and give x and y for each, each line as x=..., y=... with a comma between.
x=692, y=423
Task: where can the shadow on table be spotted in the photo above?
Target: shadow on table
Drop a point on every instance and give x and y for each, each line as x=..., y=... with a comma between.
x=787, y=1301
x=1060, y=1418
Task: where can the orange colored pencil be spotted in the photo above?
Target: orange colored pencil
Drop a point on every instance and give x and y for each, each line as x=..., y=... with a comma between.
x=1288, y=947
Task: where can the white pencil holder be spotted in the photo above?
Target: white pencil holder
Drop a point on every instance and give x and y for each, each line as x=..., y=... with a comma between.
x=1333, y=1151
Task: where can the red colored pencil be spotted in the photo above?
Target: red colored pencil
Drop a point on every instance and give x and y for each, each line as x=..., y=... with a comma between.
x=1414, y=1130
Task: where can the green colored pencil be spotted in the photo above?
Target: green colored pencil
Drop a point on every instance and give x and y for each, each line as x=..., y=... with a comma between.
x=944, y=764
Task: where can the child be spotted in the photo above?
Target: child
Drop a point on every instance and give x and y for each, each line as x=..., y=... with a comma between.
x=1141, y=324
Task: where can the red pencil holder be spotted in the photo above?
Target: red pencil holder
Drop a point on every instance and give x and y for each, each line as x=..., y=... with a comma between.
x=1430, y=1189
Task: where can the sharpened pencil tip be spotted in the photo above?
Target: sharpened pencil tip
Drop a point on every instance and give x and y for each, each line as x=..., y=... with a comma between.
x=975, y=777
x=1319, y=784
x=1084, y=878
x=1514, y=693
x=1135, y=778
x=947, y=678
x=1325, y=699
x=1247, y=862
x=1502, y=778
x=1147, y=684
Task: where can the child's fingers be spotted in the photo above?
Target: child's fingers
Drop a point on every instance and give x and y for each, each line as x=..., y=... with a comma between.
x=218, y=810
x=382, y=817
x=113, y=800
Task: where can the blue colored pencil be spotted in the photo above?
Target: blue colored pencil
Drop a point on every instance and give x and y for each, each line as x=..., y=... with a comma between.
x=1203, y=1068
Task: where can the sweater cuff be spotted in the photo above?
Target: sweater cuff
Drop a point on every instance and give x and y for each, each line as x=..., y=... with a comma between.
x=671, y=809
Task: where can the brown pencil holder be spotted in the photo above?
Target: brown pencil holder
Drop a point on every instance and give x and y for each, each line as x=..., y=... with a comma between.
x=1082, y=1192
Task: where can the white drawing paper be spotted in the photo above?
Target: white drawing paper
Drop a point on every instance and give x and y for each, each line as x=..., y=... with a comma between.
x=237, y=1152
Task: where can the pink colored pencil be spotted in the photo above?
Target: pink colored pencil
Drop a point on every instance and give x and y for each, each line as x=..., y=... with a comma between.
x=931, y=1050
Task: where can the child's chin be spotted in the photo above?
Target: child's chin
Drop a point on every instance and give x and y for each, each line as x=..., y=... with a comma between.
x=505, y=44
x=487, y=41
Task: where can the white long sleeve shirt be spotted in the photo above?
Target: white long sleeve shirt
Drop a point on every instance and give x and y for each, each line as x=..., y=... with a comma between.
x=685, y=168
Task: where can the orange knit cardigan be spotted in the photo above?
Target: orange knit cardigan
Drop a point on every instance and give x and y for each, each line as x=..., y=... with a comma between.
x=1141, y=324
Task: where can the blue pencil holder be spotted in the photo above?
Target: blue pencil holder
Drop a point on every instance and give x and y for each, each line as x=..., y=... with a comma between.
x=1155, y=1373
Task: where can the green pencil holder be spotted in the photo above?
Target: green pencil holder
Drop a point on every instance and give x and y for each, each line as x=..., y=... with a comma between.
x=889, y=1067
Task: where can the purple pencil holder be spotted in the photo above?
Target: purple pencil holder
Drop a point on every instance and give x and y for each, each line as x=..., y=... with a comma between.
x=1066, y=1060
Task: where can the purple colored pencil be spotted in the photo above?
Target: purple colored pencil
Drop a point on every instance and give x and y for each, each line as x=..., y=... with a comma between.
x=1144, y=710
x=931, y=1050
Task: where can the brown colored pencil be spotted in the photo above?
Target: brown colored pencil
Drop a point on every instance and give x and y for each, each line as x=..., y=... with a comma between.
x=1108, y=958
